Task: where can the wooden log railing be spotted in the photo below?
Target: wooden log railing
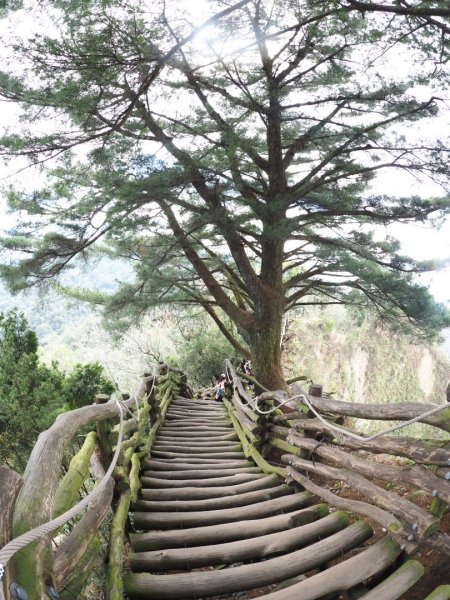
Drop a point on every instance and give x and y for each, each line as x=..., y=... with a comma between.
x=36, y=498
x=310, y=450
x=249, y=424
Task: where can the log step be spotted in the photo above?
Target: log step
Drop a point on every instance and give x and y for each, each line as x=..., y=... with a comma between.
x=212, y=455
x=229, y=581
x=198, y=463
x=203, y=505
x=212, y=503
x=167, y=520
x=261, y=547
x=231, y=479
x=215, y=534
x=202, y=493
x=201, y=474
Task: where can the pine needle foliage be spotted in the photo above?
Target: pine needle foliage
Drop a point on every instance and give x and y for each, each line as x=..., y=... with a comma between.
x=233, y=161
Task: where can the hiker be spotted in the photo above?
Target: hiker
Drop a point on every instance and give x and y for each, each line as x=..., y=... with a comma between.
x=220, y=387
x=248, y=368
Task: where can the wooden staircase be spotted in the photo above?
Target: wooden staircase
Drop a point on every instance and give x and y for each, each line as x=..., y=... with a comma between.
x=209, y=524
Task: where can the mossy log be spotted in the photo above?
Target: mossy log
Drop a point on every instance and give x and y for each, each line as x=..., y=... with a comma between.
x=380, y=516
x=440, y=593
x=232, y=479
x=251, y=452
x=202, y=493
x=413, y=475
x=76, y=544
x=10, y=485
x=283, y=445
x=243, y=408
x=78, y=578
x=243, y=499
x=398, y=583
x=248, y=425
x=114, y=583
x=129, y=426
x=425, y=524
x=433, y=452
x=35, y=501
x=170, y=520
x=343, y=576
x=148, y=444
x=103, y=431
x=253, y=381
x=261, y=547
x=228, y=532
x=68, y=492
x=247, y=399
x=135, y=483
x=217, y=582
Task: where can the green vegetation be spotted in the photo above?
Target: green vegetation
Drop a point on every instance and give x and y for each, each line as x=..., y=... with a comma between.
x=32, y=394
x=358, y=359
x=234, y=171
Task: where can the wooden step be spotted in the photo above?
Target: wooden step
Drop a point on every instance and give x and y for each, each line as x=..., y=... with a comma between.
x=202, y=493
x=200, y=474
x=239, y=530
x=198, y=447
x=231, y=479
x=261, y=547
x=344, y=576
x=212, y=503
x=164, y=465
x=228, y=581
x=190, y=455
x=172, y=520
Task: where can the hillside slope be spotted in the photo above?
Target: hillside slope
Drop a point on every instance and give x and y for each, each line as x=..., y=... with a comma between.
x=364, y=362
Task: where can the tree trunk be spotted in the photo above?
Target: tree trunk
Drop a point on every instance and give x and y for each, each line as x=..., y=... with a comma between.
x=265, y=344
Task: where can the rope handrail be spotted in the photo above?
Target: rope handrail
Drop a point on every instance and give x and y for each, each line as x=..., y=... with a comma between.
x=355, y=436
x=254, y=404
x=12, y=547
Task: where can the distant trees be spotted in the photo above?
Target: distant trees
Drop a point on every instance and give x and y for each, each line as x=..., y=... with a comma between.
x=233, y=164
x=33, y=394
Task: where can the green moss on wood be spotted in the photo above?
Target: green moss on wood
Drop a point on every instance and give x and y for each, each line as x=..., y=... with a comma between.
x=438, y=507
x=114, y=583
x=135, y=483
x=440, y=593
x=249, y=450
x=282, y=445
x=68, y=490
x=80, y=575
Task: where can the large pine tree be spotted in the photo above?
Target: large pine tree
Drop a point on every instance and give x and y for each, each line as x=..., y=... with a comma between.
x=233, y=163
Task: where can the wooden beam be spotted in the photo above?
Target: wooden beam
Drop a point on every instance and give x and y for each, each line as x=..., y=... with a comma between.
x=227, y=532
x=217, y=582
x=425, y=524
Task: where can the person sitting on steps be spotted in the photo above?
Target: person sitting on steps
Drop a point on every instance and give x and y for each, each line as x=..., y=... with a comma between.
x=220, y=387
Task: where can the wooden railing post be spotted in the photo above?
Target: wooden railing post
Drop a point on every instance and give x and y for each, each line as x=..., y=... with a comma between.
x=103, y=428
x=10, y=484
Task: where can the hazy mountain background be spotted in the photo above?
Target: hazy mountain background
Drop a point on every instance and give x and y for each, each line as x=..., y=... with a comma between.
x=350, y=354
